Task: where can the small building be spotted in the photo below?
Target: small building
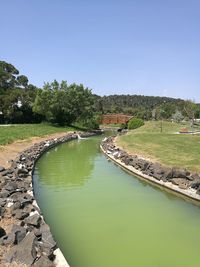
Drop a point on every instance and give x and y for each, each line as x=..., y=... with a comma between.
x=115, y=118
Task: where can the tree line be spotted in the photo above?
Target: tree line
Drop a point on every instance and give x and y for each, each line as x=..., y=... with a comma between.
x=66, y=104
x=60, y=103
x=148, y=107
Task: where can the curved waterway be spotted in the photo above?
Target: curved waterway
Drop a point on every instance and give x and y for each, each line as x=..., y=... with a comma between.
x=101, y=216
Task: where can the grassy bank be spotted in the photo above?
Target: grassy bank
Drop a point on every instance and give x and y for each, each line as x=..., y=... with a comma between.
x=166, y=147
x=9, y=134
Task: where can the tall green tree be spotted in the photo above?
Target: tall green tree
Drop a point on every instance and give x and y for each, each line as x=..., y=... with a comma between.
x=63, y=104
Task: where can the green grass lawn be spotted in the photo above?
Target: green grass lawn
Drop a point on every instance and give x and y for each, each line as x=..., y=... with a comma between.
x=9, y=134
x=167, y=147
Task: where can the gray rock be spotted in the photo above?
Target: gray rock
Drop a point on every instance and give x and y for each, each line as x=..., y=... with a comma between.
x=4, y=193
x=167, y=175
x=3, y=201
x=16, y=196
x=179, y=173
x=2, y=211
x=47, y=236
x=4, y=172
x=20, y=214
x=198, y=191
x=2, y=168
x=10, y=186
x=43, y=262
x=157, y=176
x=15, y=206
x=25, y=252
x=20, y=235
x=33, y=220
x=16, y=235
x=22, y=171
x=195, y=177
x=195, y=184
x=2, y=232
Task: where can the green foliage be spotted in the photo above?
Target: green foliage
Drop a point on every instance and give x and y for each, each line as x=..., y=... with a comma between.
x=190, y=109
x=10, y=78
x=145, y=107
x=177, y=116
x=21, y=102
x=123, y=126
x=135, y=123
x=16, y=96
x=92, y=122
x=65, y=104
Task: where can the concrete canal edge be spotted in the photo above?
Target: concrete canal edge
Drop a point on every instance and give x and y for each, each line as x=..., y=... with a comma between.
x=112, y=152
x=30, y=237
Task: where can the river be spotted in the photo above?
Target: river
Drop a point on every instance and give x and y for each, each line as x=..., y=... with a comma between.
x=101, y=216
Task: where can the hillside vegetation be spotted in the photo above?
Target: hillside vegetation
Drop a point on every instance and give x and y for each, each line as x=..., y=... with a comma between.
x=66, y=104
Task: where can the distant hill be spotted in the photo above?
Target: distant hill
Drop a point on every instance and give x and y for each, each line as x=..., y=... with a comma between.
x=139, y=105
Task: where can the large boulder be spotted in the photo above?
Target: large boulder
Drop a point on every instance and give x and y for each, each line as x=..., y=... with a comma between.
x=180, y=173
x=16, y=235
x=25, y=252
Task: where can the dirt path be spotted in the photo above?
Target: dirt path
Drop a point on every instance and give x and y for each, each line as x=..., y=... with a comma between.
x=11, y=151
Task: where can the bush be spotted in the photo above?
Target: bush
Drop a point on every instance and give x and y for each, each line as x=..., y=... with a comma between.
x=91, y=123
x=123, y=126
x=135, y=123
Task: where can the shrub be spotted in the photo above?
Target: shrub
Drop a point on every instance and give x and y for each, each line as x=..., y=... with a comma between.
x=135, y=123
x=123, y=126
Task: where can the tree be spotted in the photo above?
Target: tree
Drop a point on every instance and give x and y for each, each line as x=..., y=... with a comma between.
x=22, y=81
x=8, y=75
x=65, y=104
x=177, y=116
x=190, y=109
x=135, y=123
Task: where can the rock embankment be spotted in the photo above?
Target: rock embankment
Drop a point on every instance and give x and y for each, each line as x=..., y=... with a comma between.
x=29, y=240
x=177, y=179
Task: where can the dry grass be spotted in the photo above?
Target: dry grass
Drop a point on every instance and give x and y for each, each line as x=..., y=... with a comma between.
x=14, y=264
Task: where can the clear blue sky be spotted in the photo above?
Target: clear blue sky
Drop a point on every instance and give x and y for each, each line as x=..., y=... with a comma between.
x=149, y=47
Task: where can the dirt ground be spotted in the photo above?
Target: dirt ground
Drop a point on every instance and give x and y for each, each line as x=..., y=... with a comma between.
x=11, y=151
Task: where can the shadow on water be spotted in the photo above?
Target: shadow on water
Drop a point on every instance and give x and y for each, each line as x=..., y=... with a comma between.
x=169, y=194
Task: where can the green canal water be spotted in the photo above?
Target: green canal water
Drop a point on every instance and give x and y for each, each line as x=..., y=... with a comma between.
x=102, y=216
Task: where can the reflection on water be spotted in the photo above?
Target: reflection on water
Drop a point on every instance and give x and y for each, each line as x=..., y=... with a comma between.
x=103, y=217
x=64, y=167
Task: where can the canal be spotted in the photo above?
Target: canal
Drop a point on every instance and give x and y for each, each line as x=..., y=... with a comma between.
x=101, y=216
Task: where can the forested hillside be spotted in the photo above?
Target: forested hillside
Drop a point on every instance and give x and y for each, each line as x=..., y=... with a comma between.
x=147, y=107
x=62, y=103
